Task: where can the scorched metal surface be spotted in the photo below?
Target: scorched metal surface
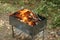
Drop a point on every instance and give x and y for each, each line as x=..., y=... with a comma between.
x=26, y=28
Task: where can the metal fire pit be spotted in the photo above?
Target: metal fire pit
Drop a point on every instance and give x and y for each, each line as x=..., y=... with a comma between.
x=32, y=31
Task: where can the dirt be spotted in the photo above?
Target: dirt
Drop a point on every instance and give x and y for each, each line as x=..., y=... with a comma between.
x=6, y=31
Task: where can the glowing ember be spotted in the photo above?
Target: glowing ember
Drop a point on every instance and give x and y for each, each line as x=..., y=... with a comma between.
x=26, y=16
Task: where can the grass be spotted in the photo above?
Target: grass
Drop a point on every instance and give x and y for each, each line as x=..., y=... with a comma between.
x=48, y=8
x=6, y=8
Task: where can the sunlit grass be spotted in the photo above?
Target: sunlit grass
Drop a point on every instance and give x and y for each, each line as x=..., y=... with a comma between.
x=6, y=8
x=49, y=9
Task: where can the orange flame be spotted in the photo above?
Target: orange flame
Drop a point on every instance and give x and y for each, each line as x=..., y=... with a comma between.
x=27, y=16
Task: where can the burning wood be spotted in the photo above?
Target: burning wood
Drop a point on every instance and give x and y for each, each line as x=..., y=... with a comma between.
x=26, y=16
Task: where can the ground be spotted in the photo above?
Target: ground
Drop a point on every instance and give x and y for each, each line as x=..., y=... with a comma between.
x=5, y=27
x=6, y=32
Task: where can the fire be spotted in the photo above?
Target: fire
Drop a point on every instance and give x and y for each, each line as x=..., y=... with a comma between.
x=26, y=16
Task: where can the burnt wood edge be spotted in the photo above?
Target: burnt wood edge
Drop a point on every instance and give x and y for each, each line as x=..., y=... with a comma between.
x=41, y=17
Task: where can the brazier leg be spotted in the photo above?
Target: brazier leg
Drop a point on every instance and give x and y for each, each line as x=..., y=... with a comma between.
x=12, y=32
x=43, y=34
